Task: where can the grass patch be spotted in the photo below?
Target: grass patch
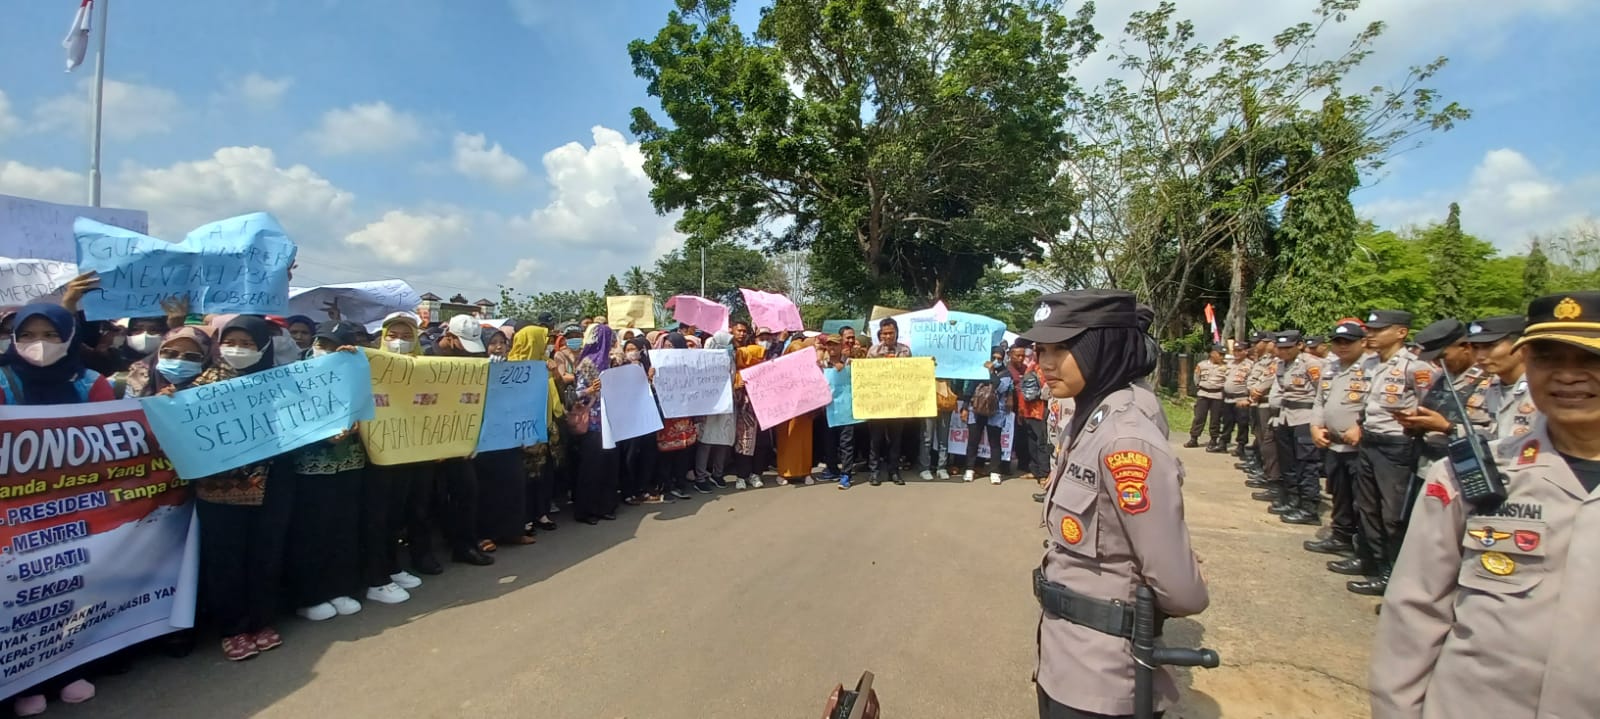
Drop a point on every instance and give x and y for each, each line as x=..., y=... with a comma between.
x=1180, y=412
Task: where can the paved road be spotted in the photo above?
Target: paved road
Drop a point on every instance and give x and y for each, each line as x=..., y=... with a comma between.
x=753, y=604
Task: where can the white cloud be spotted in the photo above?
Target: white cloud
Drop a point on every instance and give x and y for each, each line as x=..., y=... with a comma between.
x=258, y=91
x=1506, y=200
x=600, y=200
x=408, y=239
x=9, y=123
x=235, y=180
x=51, y=184
x=475, y=158
x=129, y=110
x=365, y=128
x=525, y=270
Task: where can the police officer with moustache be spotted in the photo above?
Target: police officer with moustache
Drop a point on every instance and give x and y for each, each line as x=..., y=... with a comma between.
x=1387, y=455
x=1114, y=510
x=1336, y=429
x=1297, y=383
x=1489, y=612
x=1492, y=339
x=1209, y=377
x=1236, y=402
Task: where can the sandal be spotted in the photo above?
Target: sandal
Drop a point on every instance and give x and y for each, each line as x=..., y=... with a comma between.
x=268, y=639
x=239, y=647
x=487, y=546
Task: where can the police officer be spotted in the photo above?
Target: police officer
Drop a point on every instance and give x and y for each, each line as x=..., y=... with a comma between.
x=1236, y=402
x=1436, y=418
x=1336, y=428
x=1317, y=347
x=1114, y=511
x=1296, y=389
x=1386, y=453
x=1489, y=611
x=1209, y=376
x=1492, y=339
x=1264, y=377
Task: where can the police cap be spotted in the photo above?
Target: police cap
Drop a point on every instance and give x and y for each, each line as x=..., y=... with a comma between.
x=1494, y=329
x=1064, y=315
x=1261, y=337
x=1379, y=319
x=1348, y=331
x=1573, y=318
x=1437, y=337
x=1315, y=341
x=1287, y=338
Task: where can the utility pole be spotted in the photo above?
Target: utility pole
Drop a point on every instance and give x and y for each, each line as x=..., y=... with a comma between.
x=99, y=94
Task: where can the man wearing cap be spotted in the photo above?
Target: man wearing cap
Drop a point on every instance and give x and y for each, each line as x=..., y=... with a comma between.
x=1317, y=347
x=463, y=335
x=1209, y=376
x=1296, y=392
x=1387, y=454
x=1262, y=378
x=1488, y=612
x=1492, y=340
x=1444, y=343
x=1113, y=510
x=1236, y=401
x=1336, y=428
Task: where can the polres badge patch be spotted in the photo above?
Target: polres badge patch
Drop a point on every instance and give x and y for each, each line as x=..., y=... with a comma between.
x=1130, y=470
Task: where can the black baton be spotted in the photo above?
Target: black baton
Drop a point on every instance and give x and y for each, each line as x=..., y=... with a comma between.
x=1147, y=656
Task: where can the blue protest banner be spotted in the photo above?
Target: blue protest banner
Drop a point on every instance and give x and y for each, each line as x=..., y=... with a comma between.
x=959, y=344
x=239, y=265
x=217, y=427
x=516, y=409
x=841, y=410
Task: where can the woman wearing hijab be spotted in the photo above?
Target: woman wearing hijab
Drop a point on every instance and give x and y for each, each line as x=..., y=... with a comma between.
x=324, y=545
x=180, y=357
x=979, y=425
x=746, y=428
x=539, y=462
x=41, y=367
x=640, y=454
x=716, y=432
x=1114, y=509
x=675, y=443
x=244, y=513
x=395, y=500
x=502, y=480
x=794, y=436
x=595, y=494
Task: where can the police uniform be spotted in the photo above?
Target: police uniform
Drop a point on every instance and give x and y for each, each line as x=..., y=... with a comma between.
x=1340, y=398
x=1387, y=456
x=1490, y=611
x=1508, y=401
x=1209, y=378
x=1264, y=375
x=1470, y=385
x=1114, y=520
x=1236, y=419
x=1295, y=392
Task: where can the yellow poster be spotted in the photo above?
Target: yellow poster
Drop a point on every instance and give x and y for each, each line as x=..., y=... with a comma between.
x=893, y=388
x=636, y=311
x=427, y=408
x=879, y=312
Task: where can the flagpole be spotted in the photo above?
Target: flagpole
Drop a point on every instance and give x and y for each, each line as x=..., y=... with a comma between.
x=99, y=94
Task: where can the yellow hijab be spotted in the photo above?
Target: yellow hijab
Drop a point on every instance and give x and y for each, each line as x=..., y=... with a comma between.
x=528, y=344
x=416, y=333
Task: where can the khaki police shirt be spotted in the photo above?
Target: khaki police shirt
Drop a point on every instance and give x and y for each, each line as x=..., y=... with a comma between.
x=1493, y=614
x=1210, y=378
x=1237, y=385
x=1262, y=376
x=1340, y=397
x=1296, y=391
x=1513, y=409
x=1115, y=519
x=1397, y=384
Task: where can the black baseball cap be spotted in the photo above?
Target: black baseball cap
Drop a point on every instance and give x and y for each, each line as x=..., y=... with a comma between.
x=1572, y=318
x=341, y=333
x=1064, y=315
x=1219, y=348
x=1286, y=338
x=1437, y=337
x=1379, y=319
x=1261, y=337
x=1146, y=315
x=1494, y=329
x=1315, y=341
x=1348, y=331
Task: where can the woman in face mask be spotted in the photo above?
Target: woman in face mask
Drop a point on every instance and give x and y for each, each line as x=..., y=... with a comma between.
x=395, y=501
x=747, y=429
x=716, y=431
x=324, y=548
x=502, y=504
x=595, y=495
x=6, y=315
x=639, y=454
x=244, y=513
x=498, y=345
x=43, y=366
x=181, y=356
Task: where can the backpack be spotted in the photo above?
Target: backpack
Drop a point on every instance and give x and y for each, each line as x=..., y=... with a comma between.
x=10, y=385
x=1032, y=389
x=985, y=401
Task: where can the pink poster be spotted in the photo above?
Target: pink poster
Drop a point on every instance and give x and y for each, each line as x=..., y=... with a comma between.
x=786, y=388
x=772, y=311
x=699, y=312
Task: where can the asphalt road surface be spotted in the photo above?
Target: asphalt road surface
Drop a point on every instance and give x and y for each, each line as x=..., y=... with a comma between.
x=752, y=605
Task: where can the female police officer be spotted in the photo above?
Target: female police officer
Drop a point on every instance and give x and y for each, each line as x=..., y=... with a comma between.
x=1114, y=513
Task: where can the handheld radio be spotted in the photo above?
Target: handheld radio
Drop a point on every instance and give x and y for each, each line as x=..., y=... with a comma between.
x=1477, y=477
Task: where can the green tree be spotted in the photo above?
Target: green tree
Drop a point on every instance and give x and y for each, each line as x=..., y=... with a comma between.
x=1001, y=295
x=1456, y=261
x=1388, y=272
x=1497, y=289
x=1535, y=273
x=564, y=305
x=635, y=281
x=924, y=142
x=728, y=267
x=613, y=288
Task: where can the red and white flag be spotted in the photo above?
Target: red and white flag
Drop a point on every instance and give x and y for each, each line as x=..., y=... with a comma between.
x=77, y=42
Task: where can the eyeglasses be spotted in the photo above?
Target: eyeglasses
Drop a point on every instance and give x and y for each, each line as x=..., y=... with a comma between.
x=185, y=356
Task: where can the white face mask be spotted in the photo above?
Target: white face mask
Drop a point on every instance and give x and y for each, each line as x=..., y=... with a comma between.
x=240, y=358
x=144, y=343
x=42, y=353
x=402, y=347
x=319, y=352
x=631, y=355
x=5, y=344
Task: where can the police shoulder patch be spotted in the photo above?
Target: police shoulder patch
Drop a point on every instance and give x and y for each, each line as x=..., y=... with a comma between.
x=1130, y=471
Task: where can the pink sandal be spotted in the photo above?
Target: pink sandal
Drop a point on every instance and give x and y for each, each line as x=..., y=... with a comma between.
x=239, y=647
x=268, y=639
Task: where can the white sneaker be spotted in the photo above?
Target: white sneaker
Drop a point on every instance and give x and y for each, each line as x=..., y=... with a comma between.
x=387, y=594
x=755, y=481
x=406, y=580
x=944, y=474
x=968, y=476
x=730, y=479
x=994, y=478
x=783, y=482
x=809, y=481
x=318, y=612
x=927, y=476
x=741, y=484
x=345, y=606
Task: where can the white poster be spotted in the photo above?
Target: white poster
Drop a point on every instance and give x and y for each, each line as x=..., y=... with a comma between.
x=958, y=437
x=693, y=383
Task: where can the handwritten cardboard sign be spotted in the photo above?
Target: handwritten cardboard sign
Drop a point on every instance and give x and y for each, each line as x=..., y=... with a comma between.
x=841, y=406
x=893, y=388
x=772, y=311
x=516, y=412
x=38, y=230
x=785, y=388
x=627, y=408
x=693, y=383
x=426, y=408
x=631, y=311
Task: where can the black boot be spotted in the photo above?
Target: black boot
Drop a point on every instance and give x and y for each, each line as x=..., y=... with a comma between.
x=1371, y=586
x=1257, y=483
x=1192, y=443
x=1270, y=494
x=1288, y=500
x=1216, y=448
x=1331, y=545
x=1351, y=567
x=1305, y=514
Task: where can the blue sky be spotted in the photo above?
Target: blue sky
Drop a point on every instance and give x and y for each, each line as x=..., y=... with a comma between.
x=464, y=149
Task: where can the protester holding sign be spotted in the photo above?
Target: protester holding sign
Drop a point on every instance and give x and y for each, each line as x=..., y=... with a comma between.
x=595, y=494
x=463, y=337
x=540, y=462
x=716, y=431
x=887, y=434
x=746, y=427
x=794, y=436
x=395, y=498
